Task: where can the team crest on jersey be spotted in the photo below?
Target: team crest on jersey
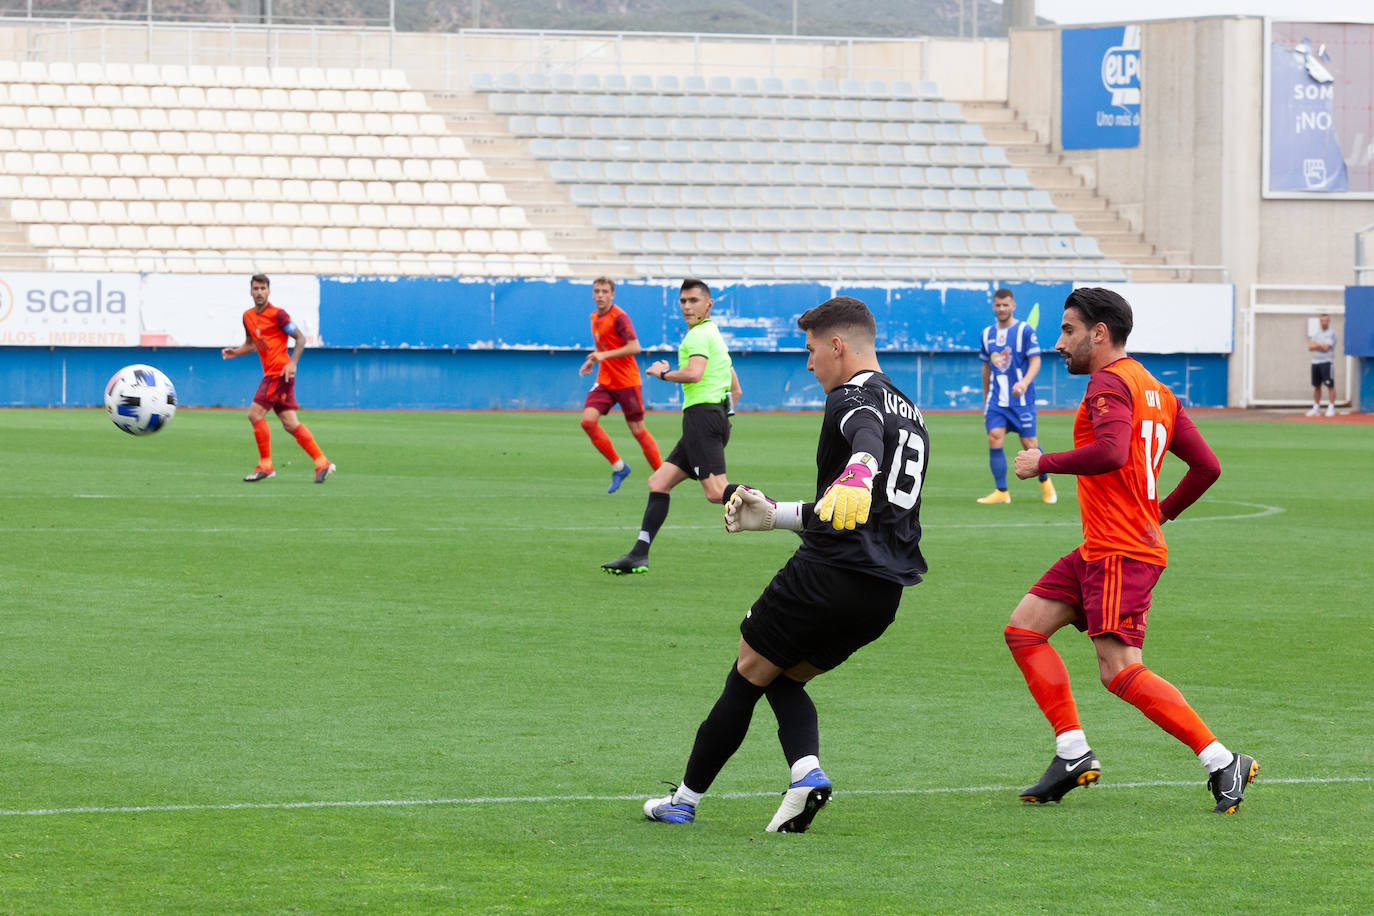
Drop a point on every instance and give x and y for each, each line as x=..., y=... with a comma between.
x=1101, y=404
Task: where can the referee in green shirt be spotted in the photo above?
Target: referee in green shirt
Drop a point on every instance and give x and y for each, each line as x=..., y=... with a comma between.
x=710, y=388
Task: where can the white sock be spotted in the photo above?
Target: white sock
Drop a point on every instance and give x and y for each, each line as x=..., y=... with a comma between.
x=619, y=465
x=1071, y=744
x=1215, y=756
x=685, y=796
x=805, y=765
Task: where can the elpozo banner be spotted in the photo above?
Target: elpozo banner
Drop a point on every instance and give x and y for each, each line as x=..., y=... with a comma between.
x=69, y=310
x=1099, y=104
x=1320, y=117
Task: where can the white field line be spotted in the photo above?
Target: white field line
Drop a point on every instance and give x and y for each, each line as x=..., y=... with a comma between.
x=1262, y=511
x=568, y=799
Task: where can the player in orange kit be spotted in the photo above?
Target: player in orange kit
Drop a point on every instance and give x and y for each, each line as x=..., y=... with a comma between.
x=617, y=382
x=267, y=329
x=1126, y=422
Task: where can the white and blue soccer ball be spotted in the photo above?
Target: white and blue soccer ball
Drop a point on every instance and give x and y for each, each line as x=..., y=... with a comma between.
x=140, y=399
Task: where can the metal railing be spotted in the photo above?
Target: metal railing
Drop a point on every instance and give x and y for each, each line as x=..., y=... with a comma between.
x=1364, y=258
x=446, y=61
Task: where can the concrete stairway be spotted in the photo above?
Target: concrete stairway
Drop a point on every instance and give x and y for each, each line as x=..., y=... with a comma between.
x=1063, y=174
x=546, y=202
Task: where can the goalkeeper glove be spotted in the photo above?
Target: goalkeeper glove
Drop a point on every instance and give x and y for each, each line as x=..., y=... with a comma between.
x=750, y=510
x=845, y=505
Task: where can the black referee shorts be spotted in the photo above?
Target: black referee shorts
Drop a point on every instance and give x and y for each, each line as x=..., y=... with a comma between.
x=1323, y=374
x=705, y=433
x=819, y=614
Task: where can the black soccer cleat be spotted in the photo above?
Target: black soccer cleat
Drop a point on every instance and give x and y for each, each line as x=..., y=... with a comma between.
x=322, y=473
x=259, y=474
x=1228, y=783
x=630, y=563
x=1062, y=776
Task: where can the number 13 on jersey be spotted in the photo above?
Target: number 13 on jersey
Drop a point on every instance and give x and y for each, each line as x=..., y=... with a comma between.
x=908, y=465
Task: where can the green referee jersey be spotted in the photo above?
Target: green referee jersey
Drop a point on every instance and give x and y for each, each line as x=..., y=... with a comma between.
x=703, y=339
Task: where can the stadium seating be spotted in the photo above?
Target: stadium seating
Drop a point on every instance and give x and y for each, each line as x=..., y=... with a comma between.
x=840, y=171
x=199, y=168
x=189, y=168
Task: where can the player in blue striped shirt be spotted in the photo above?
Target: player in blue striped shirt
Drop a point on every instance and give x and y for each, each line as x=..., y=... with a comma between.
x=1010, y=353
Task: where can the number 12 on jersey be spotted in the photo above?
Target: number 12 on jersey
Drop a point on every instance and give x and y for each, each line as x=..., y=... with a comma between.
x=1156, y=436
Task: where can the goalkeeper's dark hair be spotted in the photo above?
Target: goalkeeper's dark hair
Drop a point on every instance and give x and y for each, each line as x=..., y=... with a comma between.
x=1096, y=304
x=260, y=278
x=693, y=283
x=843, y=313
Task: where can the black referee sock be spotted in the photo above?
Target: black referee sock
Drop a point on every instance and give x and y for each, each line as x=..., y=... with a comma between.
x=722, y=732
x=799, y=732
x=655, y=513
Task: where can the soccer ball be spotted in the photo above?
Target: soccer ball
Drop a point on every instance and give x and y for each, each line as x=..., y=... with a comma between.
x=140, y=400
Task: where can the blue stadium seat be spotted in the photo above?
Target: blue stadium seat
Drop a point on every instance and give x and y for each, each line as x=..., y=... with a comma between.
x=694, y=83
x=638, y=195
x=928, y=89
x=1037, y=222
x=507, y=82
x=481, y=82
x=771, y=85
x=961, y=199
x=584, y=195
x=641, y=82
x=615, y=82
x=1013, y=200
x=667, y=83
x=1010, y=222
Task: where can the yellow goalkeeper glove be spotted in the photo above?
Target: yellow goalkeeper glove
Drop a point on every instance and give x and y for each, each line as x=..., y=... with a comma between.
x=846, y=503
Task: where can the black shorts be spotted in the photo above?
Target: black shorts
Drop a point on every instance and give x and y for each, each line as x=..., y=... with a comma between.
x=1323, y=374
x=705, y=433
x=819, y=614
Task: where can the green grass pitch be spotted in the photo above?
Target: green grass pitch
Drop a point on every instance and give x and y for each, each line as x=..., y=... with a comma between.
x=412, y=689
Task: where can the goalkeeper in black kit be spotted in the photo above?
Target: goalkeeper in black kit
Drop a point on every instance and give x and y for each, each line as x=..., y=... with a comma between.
x=840, y=590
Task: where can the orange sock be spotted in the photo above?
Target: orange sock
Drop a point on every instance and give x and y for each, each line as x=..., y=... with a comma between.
x=600, y=440
x=307, y=442
x=263, y=434
x=649, y=447
x=1163, y=705
x=1045, y=675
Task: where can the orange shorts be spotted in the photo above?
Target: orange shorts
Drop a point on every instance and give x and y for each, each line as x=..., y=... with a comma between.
x=1110, y=595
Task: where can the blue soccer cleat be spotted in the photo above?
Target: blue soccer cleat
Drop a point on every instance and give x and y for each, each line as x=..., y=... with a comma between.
x=618, y=477
x=665, y=812
x=800, y=803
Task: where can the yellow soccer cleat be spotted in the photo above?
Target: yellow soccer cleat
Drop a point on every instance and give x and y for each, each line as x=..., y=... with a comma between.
x=996, y=496
x=1047, y=492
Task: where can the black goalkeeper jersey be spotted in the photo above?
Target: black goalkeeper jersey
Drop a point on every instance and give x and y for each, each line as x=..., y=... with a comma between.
x=888, y=545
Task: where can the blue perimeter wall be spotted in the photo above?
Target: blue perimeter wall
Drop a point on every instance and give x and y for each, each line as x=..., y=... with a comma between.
x=436, y=343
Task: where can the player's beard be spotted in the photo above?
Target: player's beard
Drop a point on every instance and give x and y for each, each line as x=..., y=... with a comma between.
x=1079, y=357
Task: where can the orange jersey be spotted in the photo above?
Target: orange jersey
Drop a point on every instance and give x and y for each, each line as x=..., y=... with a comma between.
x=1120, y=508
x=612, y=331
x=270, y=330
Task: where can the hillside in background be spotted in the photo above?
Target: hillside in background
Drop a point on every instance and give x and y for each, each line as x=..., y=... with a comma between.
x=897, y=18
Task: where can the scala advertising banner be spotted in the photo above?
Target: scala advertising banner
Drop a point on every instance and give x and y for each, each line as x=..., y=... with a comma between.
x=1100, y=88
x=69, y=310
x=1319, y=117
